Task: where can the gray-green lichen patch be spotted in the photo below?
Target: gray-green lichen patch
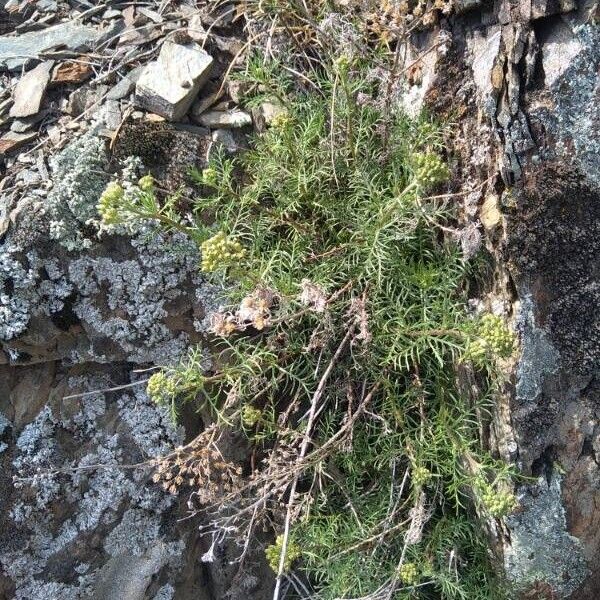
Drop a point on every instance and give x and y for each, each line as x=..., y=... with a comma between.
x=69, y=489
x=541, y=550
x=79, y=177
x=538, y=357
x=575, y=92
x=71, y=290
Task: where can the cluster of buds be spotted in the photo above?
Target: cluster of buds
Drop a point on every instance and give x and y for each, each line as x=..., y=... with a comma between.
x=409, y=573
x=199, y=466
x=430, y=169
x=497, y=503
x=161, y=388
x=420, y=475
x=146, y=184
x=494, y=338
x=250, y=415
x=220, y=251
x=110, y=204
x=273, y=554
x=210, y=176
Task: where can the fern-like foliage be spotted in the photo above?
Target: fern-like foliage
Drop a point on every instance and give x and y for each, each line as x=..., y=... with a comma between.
x=340, y=347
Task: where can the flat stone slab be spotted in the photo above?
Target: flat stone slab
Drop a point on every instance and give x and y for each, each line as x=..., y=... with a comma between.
x=29, y=91
x=169, y=85
x=15, y=51
x=11, y=141
x=227, y=119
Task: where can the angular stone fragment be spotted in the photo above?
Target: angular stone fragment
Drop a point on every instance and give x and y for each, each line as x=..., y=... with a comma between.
x=126, y=85
x=30, y=90
x=15, y=51
x=12, y=141
x=230, y=119
x=169, y=85
x=490, y=215
x=71, y=72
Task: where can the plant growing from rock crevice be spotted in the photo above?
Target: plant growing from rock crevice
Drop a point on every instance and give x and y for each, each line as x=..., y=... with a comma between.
x=337, y=354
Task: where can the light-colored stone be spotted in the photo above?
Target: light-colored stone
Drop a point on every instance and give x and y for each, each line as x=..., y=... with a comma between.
x=231, y=119
x=558, y=52
x=12, y=141
x=169, y=85
x=271, y=112
x=15, y=51
x=30, y=90
x=490, y=215
x=485, y=51
x=225, y=139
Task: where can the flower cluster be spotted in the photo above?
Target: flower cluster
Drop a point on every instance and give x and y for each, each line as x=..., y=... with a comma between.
x=161, y=387
x=210, y=176
x=220, y=251
x=494, y=338
x=110, y=204
x=409, y=573
x=254, y=311
x=420, y=475
x=273, y=554
x=497, y=503
x=146, y=184
x=250, y=415
x=430, y=169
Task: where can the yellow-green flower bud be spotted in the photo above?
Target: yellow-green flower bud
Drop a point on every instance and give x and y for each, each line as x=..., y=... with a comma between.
x=430, y=169
x=209, y=176
x=146, y=184
x=250, y=415
x=110, y=203
x=497, y=503
x=420, y=475
x=161, y=387
x=273, y=554
x=220, y=252
x=494, y=339
x=409, y=573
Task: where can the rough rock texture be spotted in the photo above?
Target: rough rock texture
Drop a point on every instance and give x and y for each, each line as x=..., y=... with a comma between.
x=80, y=310
x=530, y=136
x=169, y=85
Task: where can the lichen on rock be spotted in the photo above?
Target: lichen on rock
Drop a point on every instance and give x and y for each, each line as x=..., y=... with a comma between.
x=541, y=550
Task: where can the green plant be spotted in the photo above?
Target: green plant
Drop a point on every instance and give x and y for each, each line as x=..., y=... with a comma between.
x=492, y=339
x=347, y=322
x=273, y=554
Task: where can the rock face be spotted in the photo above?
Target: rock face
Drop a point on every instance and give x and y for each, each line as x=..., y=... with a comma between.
x=535, y=70
x=525, y=78
x=80, y=310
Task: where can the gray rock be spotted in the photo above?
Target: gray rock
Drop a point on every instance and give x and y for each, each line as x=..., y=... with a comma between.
x=541, y=549
x=224, y=138
x=112, y=114
x=126, y=85
x=126, y=577
x=11, y=141
x=231, y=119
x=15, y=51
x=559, y=52
x=49, y=6
x=169, y=85
x=30, y=90
x=27, y=123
